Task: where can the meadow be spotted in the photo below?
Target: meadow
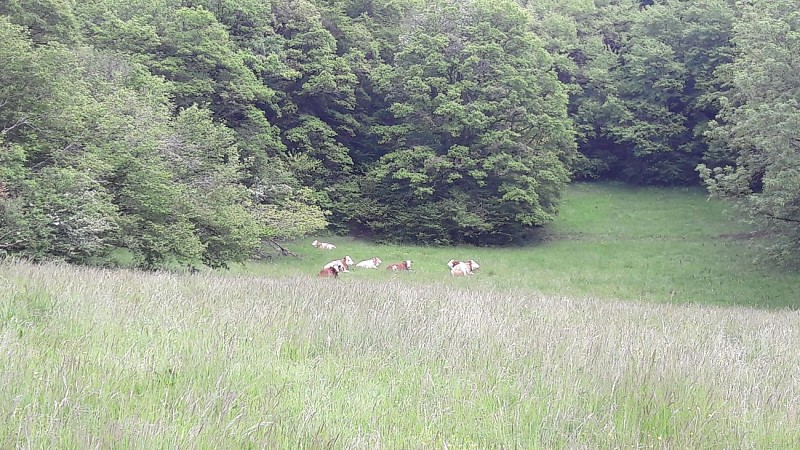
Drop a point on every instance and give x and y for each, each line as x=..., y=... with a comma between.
x=610, y=241
x=98, y=359
x=269, y=356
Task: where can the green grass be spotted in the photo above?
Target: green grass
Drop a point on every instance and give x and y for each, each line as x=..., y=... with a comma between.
x=270, y=356
x=610, y=241
x=99, y=359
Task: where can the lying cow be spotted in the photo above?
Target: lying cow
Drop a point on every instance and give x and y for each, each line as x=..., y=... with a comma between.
x=460, y=268
x=340, y=264
x=405, y=265
x=329, y=272
x=473, y=265
x=370, y=263
x=322, y=245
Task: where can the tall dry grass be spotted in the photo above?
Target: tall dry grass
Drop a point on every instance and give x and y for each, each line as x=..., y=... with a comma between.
x=96, y=359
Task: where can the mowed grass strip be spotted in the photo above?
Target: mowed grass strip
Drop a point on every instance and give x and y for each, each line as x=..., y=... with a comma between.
x=610, y=241
x=94, y=358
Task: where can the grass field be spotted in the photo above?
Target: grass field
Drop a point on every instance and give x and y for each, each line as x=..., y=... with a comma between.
x=610, y=241
x=270, y=356
x=116, y=359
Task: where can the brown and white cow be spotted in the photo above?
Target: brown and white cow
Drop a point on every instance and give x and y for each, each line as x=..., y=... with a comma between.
x=329, y=272
x=322, y=245
x=340, y=264
x=405, y=265
x=370, y=263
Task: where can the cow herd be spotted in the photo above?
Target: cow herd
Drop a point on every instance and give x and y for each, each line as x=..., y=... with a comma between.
x=337, y=266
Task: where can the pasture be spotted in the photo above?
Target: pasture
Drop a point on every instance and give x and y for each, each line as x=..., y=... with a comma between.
x=97, y=359
x=619, y=329
x=610, y=242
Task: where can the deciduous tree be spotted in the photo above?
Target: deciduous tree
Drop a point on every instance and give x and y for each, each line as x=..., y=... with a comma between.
x=481, y=142
x=759, y=126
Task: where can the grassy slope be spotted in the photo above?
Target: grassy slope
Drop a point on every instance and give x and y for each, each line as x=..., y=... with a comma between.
x=610, y=241
x=101, y=359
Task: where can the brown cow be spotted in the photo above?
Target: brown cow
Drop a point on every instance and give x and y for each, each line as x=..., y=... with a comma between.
x=405, y=265
x=329, y=272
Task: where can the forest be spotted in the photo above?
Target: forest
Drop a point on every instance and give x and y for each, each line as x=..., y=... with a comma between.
x=198, y=130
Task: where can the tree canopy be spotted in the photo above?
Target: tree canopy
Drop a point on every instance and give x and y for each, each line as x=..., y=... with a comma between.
x=757, y=133
x=193, y=131
x=478, y=137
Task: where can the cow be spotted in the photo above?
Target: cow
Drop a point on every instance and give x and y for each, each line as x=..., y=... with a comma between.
x=370, y=263
x=322, y=245
x=340, y=264
x=461, y=268
x=473, y=265
x=329, y=272
x=405, y=265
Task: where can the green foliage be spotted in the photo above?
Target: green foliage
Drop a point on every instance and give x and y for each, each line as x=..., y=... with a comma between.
x=93, y=159
x=296, y=216
x=222, y=208
x=642, y=82
x=70, y=215
x=479, y=131
x=45, y=20
x=51, y=205
x=156, y=226
x=665, y=83
x=757, y=129
x=316, y=98
x=190, y=131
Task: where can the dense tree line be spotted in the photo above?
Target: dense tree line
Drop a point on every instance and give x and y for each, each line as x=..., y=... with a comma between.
x=196, y=130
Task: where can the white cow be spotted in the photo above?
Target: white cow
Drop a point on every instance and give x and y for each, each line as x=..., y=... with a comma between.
x=341, y=264
x=322, y=245
x=370, y=263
